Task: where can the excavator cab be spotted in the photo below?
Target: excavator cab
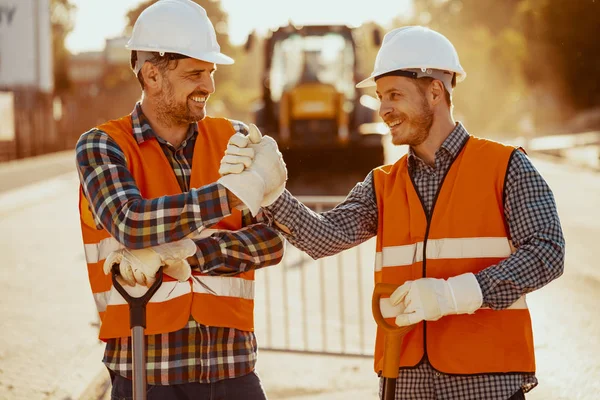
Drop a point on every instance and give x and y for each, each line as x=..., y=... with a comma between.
x=311, y=107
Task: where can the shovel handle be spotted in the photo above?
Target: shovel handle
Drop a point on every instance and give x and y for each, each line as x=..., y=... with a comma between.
x=385, y=289
x=137, y=305
x=393, y=334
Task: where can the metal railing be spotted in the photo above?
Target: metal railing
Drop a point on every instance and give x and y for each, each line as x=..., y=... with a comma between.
x=321, y=306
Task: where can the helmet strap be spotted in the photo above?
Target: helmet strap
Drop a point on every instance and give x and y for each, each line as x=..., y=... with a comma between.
x=446, y=77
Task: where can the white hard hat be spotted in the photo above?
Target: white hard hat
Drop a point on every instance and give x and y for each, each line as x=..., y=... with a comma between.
x=177, y=26
x=415, y=48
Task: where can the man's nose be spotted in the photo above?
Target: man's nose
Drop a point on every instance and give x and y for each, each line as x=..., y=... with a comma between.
x=384, y=109
x=207, y=85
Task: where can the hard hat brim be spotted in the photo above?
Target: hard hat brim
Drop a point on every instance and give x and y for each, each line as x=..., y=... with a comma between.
x=212, y=56
x=370, y=81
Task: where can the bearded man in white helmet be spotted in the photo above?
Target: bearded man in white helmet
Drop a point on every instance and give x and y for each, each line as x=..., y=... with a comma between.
x=465, y=227
x=151, y=185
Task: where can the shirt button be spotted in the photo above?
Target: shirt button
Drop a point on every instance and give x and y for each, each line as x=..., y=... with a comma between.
x=438, y=374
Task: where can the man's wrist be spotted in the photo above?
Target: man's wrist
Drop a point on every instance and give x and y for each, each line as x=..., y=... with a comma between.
x=233, y=200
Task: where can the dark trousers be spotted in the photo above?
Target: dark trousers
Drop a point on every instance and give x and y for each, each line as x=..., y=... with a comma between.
x=518, y=396
x=247, y=387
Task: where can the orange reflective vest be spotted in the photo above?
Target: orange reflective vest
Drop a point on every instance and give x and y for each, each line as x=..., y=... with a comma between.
x=465, y=233
x=170, y=307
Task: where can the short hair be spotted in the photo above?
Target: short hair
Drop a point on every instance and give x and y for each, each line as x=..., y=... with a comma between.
x=163, y=63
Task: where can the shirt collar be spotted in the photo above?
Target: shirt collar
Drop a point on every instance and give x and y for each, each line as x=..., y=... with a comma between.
x=142, y=130
x=451, y=146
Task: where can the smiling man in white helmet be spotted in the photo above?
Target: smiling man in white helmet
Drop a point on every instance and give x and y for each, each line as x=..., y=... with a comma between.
x=465, y=227
x=151, y=185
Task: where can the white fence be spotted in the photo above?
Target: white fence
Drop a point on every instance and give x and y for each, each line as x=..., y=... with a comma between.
x=321, y=306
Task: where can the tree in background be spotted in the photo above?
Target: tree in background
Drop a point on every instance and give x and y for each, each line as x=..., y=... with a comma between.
x=492, y=52
x=564, y=54
x=61, y=18
x=531, y=64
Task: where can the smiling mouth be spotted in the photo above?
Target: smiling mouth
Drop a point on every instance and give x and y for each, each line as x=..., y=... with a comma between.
x=198, y=99
x=394, y=123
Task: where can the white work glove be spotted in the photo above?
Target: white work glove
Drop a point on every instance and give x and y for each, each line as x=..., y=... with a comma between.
x=430, y=299
x=140, y=266
x=263, y=181
x=238, y=155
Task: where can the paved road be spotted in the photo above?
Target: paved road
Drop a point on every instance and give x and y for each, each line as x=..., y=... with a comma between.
x=48, y=346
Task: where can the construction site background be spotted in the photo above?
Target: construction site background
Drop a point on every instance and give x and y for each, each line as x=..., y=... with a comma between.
x=529, y=72
x=532, y=80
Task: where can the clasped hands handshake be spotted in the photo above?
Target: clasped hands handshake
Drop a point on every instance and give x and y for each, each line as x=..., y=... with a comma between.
x=253, y=169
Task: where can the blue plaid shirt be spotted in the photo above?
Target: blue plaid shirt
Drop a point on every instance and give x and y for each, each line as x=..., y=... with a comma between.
x=195, y=353
x=530, y=213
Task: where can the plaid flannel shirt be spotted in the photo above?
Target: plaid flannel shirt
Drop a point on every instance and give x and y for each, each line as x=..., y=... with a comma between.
x=195, y=353
x=530, y=213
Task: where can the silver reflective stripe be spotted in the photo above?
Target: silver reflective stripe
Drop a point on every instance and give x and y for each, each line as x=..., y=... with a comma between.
x=101, y=300
x=166, y=291
x=96, y=252
x=448, y=248
x=225, y=286
x=481, y=247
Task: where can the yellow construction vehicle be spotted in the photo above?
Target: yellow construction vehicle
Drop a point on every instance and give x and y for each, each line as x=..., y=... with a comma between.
x=311, y=107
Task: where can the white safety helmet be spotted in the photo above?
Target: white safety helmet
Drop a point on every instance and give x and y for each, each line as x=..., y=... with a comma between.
x=420, y=52
x=177, y=26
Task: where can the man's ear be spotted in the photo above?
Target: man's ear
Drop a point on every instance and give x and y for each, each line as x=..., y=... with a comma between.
x=437, y=92
x=152, y=76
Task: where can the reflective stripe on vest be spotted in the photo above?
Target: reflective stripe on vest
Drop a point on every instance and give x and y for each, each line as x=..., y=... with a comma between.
x=167, y=291
x=482, y=247
x=226, y=286
x=96, y=252
x=221, y=285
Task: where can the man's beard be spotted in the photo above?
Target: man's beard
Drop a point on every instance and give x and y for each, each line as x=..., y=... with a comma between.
x=419, y=125
x=173, y=113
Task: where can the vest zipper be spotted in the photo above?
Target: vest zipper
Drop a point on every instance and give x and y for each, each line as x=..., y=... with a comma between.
x=429, y=217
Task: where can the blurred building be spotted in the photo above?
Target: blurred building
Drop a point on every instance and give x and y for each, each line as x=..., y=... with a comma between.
x=115, y=52
x=26, y=79
x=104, y=88
x=86, y=70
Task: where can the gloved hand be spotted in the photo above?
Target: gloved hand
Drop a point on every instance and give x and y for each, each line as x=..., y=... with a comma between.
x=140, y=266
x=261, y=183
x=238, y=155
x=430, y=299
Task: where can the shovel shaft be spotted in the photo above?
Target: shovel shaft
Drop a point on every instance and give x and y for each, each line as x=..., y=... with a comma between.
x=389, y=389
x=139, y=362
x=137, y=322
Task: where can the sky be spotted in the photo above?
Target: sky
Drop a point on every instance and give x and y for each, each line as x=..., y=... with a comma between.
x=96, y=20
